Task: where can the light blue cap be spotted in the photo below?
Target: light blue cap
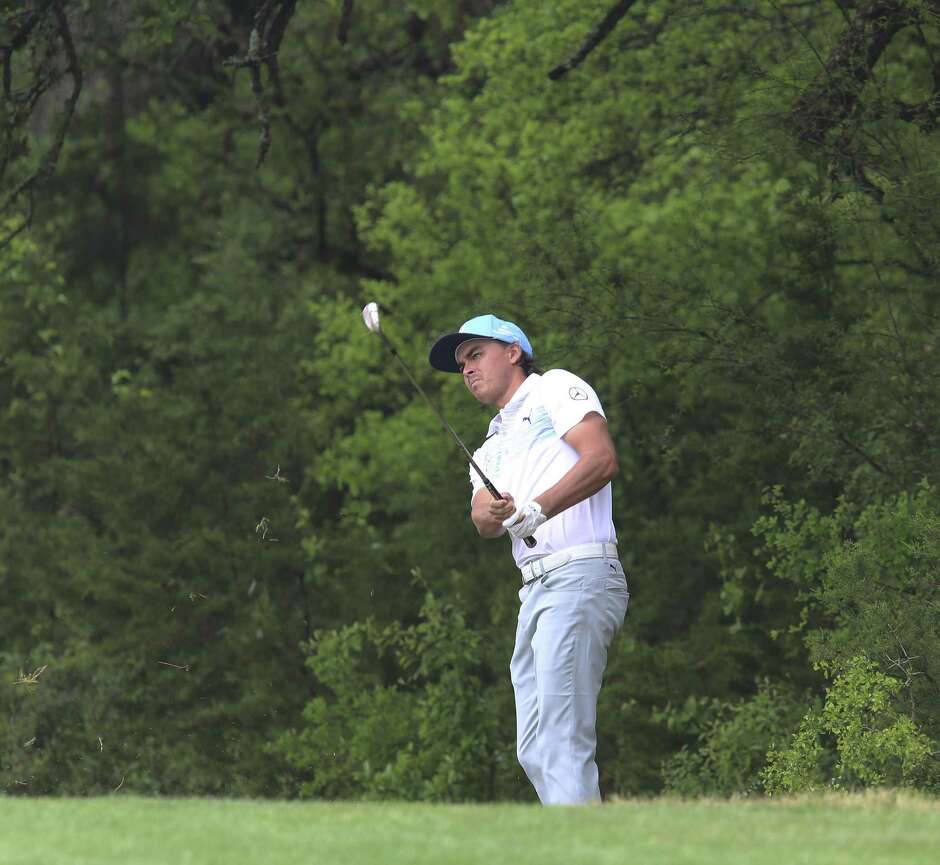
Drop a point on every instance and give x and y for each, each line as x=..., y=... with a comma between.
x=480, y=327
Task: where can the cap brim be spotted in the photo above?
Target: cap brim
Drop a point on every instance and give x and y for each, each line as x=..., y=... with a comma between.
x=442, y=352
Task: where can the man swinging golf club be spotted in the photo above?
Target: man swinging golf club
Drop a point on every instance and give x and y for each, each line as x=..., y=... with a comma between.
x=549, y=453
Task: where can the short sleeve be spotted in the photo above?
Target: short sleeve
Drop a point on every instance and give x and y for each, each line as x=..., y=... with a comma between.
x=475, y=483
x=568, y=399
x=480, y=458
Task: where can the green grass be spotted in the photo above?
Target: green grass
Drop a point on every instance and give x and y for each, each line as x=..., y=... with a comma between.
x=887, y=828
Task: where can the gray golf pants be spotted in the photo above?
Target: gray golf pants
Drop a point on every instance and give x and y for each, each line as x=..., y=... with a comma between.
x=566, y=623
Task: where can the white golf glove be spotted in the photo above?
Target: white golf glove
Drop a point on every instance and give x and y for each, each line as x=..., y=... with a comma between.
x=524, y=522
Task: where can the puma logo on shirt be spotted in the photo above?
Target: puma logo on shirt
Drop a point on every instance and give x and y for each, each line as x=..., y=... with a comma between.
x=525, y=453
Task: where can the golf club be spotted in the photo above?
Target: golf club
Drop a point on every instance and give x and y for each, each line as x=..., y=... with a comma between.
x=370, y=315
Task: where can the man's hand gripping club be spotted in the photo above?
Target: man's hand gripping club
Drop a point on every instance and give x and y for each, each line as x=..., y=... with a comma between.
x=520, y=523
x=489, y=513
x=523, y=523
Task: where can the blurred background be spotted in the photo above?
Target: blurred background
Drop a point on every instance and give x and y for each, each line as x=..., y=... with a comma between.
x=235, y=548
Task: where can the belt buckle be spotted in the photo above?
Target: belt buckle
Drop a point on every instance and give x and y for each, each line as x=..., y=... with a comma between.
x=536, y=572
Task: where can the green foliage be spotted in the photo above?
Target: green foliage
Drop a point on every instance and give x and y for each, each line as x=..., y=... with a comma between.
x=732, y=741
x=858, y=739
x=869, y=576
x=403, y=712
x=66, y=728
x=205, y=459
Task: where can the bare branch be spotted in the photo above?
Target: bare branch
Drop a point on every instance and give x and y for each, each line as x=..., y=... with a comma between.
x=270, y=23
x=597, y=35
x=49, y=161
x=277, y=24
x=834, y=93
x=868, y=459
x=925, y=114
x=17, y=42
x=345, y=20
x=25, y=223
x=75, y=70
x=31, y=19
x=264, y=114
x=273, y=44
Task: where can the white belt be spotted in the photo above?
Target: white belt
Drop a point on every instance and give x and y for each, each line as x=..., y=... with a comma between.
x=537, y=569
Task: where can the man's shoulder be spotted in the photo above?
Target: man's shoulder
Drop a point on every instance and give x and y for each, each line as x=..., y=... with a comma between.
x=560, y=379
x=556, y=374
x=566, y=394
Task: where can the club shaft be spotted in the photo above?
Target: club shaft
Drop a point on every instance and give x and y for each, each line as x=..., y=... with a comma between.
x=529, y=542
x=437, y=412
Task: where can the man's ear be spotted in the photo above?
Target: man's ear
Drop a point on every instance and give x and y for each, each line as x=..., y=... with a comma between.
x=515, y=354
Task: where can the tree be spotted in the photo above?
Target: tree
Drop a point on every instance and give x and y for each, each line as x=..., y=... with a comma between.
x=214, y=488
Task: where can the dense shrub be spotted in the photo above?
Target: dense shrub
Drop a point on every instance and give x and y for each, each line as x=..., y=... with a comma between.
x=860, y=738
x=404, y=712
x=730, y=750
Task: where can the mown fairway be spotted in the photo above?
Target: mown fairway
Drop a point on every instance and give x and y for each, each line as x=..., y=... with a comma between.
x=122, y=831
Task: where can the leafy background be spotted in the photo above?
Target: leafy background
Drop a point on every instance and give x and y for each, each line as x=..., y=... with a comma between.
x=234, y=547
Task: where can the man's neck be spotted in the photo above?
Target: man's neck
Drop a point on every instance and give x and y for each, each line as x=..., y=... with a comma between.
x=510, y=392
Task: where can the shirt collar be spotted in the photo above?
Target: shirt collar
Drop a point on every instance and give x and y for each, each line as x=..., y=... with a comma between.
x=508, y=411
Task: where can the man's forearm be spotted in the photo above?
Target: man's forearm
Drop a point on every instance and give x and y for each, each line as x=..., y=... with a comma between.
x=592, y=472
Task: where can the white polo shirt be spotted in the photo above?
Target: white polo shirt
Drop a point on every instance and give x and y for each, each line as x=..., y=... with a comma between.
x=524, y=454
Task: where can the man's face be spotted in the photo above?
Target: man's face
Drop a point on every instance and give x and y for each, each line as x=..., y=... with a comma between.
x=488, y=368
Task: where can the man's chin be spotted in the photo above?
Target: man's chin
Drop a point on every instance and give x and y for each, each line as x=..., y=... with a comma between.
x=479, y=394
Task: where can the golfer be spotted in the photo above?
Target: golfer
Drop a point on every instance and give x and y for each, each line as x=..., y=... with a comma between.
x=549, y=453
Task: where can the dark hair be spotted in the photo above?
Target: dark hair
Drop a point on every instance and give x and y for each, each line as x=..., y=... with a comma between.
x=528, y=365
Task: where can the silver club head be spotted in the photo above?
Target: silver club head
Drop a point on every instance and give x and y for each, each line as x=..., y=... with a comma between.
x=370, y=315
